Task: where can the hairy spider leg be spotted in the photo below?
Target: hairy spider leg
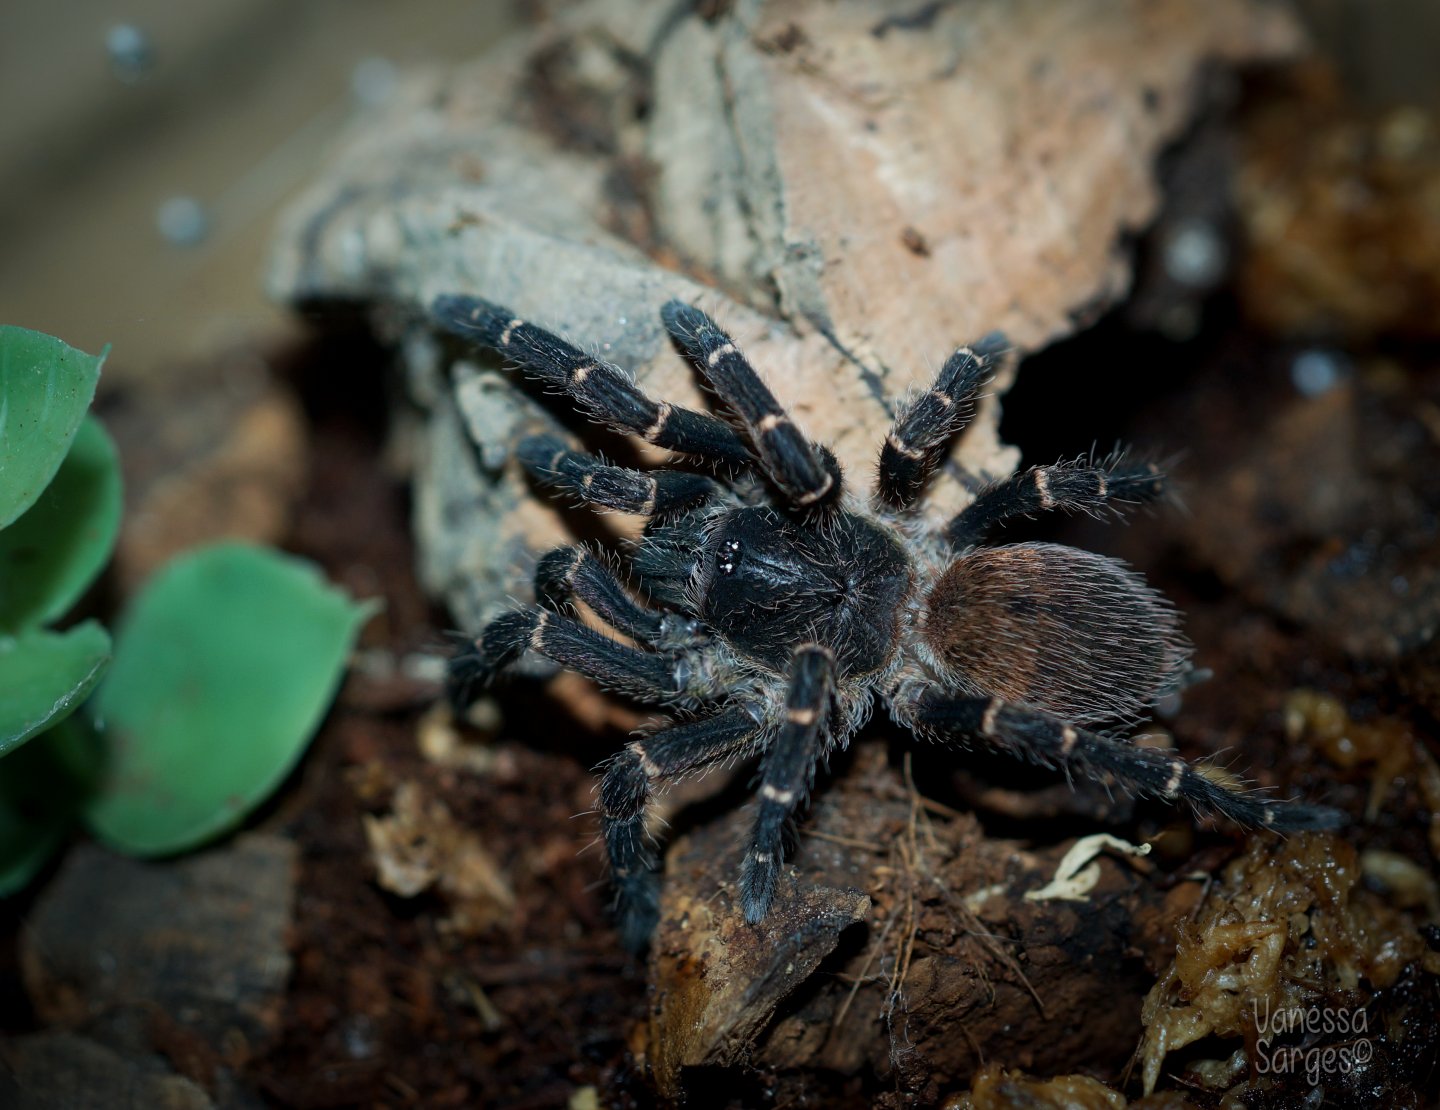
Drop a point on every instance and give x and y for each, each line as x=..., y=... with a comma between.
x=664, y=562
x=913, y=449
x=600, y=389
x=625, y=793
x=1045, y=739
x=577, y=572
x=806, y=474
x=787, y=772
x=1074, y=486
x=656, y=493
x=644, y=675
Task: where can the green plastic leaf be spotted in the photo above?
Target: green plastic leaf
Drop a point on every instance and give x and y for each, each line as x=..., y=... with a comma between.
x=41, y=790
x=224, y=667
x=44, y=676
x=45, y=388
x=51, y=554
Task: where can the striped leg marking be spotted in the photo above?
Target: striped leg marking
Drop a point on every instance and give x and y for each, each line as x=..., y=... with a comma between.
x=575, y=573
x=803, y=473
x=1075, y=486
x=646, y=676
x=1044, y=739
x=625, y=792
x=787, y=772
x=656, y=493
x=603, y=391
x=914, y=447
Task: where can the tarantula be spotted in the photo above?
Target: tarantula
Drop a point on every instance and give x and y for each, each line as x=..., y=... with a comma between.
x=779, y=605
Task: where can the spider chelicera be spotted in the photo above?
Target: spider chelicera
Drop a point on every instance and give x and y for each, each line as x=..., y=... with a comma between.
x=778, y=605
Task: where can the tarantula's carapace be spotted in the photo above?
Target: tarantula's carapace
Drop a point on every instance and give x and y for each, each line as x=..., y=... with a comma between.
x=767, y=607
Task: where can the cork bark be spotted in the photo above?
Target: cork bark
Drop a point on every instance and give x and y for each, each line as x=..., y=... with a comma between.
x=854, y=189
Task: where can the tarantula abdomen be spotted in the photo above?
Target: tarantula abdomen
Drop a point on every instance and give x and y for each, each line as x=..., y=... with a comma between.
x=1058, y=628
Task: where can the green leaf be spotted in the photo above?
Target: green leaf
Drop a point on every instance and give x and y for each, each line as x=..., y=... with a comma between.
x=223, y=669
x=45, y=388
x=41, y=791
x=49, y=557
x=44, y=676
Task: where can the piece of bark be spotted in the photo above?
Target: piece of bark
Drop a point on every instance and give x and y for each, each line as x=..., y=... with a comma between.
x=197, y=943
x=47, y=1070
x=790, y=153
x=1016, y=139
x=718, y=980
x=947, y=940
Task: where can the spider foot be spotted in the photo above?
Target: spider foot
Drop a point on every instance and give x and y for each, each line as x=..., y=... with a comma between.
x=465, y=676
x=757, y=885
x=637, y=908
x=475, y=666
x=1299, y=817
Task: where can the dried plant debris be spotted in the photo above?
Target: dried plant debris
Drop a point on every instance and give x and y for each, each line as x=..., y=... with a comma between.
x=1078, y=874
x=1301, y=979
x=1388, y=748
x=420, y=845
x=1295, y=976
x=798, y=155
x=1339, y=204
x=995, y=1088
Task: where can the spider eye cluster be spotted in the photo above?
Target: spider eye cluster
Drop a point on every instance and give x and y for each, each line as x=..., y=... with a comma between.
x=728, y=557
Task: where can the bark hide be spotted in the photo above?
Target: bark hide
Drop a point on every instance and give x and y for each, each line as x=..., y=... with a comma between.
x=853, y=188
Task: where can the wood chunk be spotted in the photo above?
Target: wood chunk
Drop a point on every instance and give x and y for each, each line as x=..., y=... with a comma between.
x=943, y=939
x=719, y=980
x=200, y=940
x=48, y=1070
x=1019, y=136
